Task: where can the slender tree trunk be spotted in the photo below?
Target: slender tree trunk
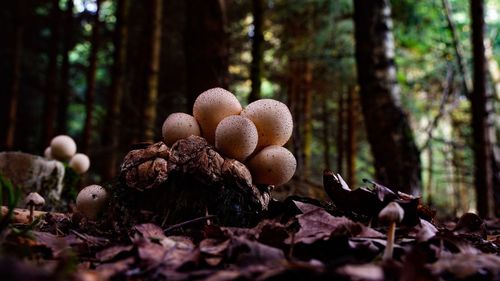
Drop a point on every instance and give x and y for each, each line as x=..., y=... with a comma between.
x=154, y=69
x=49, y=109
x=308, y=118
x=257, y=50
x=352, y=117
x=206, y=45
x=65, y=93
x=111, y=131
x=483, y=176
x=397, y=159
x=91, y=82
x=325, y=114
x=340, y=131
x=16, y=77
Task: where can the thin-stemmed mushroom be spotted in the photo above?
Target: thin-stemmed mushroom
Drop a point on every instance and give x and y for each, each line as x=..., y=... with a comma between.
x=391, y=214
x=33, y=200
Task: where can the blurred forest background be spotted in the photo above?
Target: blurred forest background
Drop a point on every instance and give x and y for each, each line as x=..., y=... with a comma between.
x=108, y=73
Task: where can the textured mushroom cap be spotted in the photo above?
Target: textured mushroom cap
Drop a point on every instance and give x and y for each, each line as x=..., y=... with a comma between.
x=62, y=147
x=210, y=107
x=272, y=165
x=273, y=121
x=34, y=199
x=90, y=200
x=179, y=126
x=236, y=137
x=391, y=213
x=80, y=163
x=47, y=153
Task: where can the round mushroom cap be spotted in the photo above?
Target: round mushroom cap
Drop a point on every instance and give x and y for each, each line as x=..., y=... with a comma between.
x=91, y=200
x=34, y=199
x=273, y=121
x=47, y=153
x=272, y=165
x=80, y=163
x=391, y=213
x=236, y=137
x=62, y=147
x=179, y=126
x=210, y=107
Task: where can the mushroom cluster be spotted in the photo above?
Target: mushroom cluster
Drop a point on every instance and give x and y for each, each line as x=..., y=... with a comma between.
x=63, y=148
x=254, y=135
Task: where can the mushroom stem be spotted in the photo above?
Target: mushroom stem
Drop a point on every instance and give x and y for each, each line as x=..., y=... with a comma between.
x=389, y=248
x=30, y=217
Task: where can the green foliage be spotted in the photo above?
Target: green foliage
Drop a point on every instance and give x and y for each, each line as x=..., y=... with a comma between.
x=9, y=195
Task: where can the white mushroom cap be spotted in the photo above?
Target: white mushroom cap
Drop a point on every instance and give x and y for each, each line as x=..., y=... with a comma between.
x=272, y=165
x=34, y=199
x=273, y=121
x=80, y=163
x=91, y=200
x=392, y=213
x=179, y=126
x=211, y=106
x=62, y=147
x=47, y=153
x=236, y=137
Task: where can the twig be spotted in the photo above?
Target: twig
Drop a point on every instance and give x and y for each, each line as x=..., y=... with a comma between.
x=172, y=227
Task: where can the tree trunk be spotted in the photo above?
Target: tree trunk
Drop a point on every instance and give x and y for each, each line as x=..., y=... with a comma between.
x=111, y=132
x=307, y=117
x=91, y=82
x=65, y=93
x=352, y=120
x=340, y=131
x=16, y=77
x=206, y=45
x=325, y=114
x=257, y=50
x=483, y=176
x=154, y=69
x=397, y=159
x=49, y=109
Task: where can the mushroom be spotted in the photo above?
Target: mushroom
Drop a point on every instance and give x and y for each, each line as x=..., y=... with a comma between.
x=80, y=163
x=391, y=214
x=210, y=107
x=47, y=153
x=236, y=137
x=62, y=147
x=33, y=200
x=273, y=121
x=179, y=126
x=272, y=165
x=90, y=200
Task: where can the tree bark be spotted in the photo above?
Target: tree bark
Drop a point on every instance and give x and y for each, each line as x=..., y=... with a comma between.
x=49, y=109
x=397, y=159
x=65, y=93
x=16, y=77
x=340, y=131
x=307, y=110
x=352, y=120
x=111, y=132
x=257, y=50
x=206, y=46
x=326, y=132
x=483, y=176
x=154, y=69
x=91, y=82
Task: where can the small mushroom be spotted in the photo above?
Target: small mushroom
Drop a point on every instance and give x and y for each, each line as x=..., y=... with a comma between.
x=236, y=137
x=273, y=121
x=80, y=163
x=272, y=165
x=47, y=153
x=91, y=200
x=33, y=200
x=210, y=107
x=179, y=126
x=62, y=147
x=391, y=214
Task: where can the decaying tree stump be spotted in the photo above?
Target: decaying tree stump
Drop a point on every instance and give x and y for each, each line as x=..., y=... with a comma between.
x=186, y=181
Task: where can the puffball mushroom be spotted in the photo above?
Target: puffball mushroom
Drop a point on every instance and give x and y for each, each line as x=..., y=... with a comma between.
x=91, y=200
x=179, y=126
x=210, y=107
x=272, y=165
x=236, y=137
x=391, y=214
x=62, y=147
x=273, y=121
x=47, y=153
x=33, y=200
x=80, y=163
